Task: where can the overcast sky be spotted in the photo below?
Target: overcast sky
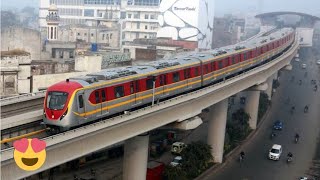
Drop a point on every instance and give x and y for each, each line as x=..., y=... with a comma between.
x=221, y=6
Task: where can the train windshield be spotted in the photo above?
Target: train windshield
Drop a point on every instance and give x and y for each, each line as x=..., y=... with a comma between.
x=56, y=100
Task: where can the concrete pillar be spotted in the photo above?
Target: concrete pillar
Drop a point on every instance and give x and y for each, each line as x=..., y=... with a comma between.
x=251, y=107
x=136, y=158
x=217, y=129
x=269, y=90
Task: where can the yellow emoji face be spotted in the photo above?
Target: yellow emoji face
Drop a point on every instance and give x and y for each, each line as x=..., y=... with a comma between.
x=29, y=154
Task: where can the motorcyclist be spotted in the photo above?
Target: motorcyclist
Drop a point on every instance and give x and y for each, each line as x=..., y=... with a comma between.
x=296, y=137
x=306, y=108
x=290, y=156
x=242, y=154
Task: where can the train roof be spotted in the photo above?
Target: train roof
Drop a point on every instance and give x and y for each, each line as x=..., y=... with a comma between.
x=180, y=59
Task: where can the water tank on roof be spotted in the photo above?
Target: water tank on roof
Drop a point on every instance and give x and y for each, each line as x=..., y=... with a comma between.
x=94, y=47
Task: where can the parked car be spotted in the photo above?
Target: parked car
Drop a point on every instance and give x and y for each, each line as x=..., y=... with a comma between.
x=297, y=59
x=176, y=161
x=303, y=66
x=177, y=147
x=278, y=125
x=318, y=62
x=275, y=152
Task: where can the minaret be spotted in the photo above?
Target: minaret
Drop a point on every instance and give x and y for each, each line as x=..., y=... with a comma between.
x=52, y=23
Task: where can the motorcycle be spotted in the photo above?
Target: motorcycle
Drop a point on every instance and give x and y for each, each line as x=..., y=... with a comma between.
x=289, y=159
x=296, y=140
x=272, y=135
x=305, y=109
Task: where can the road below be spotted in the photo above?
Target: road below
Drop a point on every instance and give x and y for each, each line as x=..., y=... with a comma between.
x=290, y=93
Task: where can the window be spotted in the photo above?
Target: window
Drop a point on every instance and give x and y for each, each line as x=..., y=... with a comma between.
x=149, y=83
x=137, y=86
x=97, y=96
x=103, y=94
x=145, y=27
x=146, y=16
x=145, y=37
x=176, y=77
x=80, y=99
x=245, y=56
x=118, y=91
x=212, y=66
x=102, y=36
x=152, y=16
x=136, y=16
x=129, y=16
x=138, y=25
x=89, y=12
x=122, y=15
x=56, y=100
x=85, y=34
x=91, y=34
x=205, y=69
x=110, y=35
x=79, y=34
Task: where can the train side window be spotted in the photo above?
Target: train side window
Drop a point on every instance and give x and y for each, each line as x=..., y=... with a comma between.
x=118, y=91
x=80, y=99
x=176, y=76
x=245, y=56
x=149, y=83
x=212, y=66
x=163, y=80
x=103, y=95
x=97, y=96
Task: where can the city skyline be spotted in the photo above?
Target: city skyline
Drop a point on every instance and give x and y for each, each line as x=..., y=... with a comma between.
x=221, y=6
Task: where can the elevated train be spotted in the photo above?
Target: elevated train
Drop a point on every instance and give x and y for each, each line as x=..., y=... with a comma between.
x=80, y=100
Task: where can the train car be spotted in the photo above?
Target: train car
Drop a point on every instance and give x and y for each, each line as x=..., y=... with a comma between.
x=80, y=100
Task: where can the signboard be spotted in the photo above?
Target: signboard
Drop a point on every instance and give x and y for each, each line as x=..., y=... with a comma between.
x=190, y=20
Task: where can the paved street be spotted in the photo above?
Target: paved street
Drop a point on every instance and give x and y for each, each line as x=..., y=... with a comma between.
x=256, y=165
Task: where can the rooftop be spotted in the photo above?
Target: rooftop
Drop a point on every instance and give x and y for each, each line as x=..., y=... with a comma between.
x=14, y=52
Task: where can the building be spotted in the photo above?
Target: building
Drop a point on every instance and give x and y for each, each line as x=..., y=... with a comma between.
x=138, y=18
x=15, y=72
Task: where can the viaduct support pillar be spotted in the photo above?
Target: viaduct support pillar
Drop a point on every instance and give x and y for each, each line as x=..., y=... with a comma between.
x=136, y=157
x=269, y=90
x=252, y=106
x=217, y=129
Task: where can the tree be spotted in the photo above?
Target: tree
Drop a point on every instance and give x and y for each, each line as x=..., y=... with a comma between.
x=176, y=172
x=238, y=126
x=264, y=103
x=196, y=158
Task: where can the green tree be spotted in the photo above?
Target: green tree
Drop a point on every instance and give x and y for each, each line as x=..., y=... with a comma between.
x=264, y=103
x=196, y=158
x=238, y=127
x=174, y=173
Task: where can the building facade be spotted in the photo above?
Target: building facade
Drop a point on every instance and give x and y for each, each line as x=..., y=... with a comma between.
x=137, y=18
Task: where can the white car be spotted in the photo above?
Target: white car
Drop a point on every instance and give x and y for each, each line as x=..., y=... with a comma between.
x=303, y=66
x=176, y=161
x=297, y=59
x=275, y=152
x=318, y=62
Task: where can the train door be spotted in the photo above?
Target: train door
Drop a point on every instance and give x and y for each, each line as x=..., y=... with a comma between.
x=187, y=75
x=98, y=105
x=135, y=89
x=163, y=83
x=104, y=105
x=81, y=107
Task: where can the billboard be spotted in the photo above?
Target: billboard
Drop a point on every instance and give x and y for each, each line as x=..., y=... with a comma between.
x=305, y=36
x=190, y=20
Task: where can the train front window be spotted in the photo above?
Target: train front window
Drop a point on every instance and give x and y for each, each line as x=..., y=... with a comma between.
x=56, y=100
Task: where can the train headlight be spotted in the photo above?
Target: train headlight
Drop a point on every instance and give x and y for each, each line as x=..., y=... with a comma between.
x=64, y=114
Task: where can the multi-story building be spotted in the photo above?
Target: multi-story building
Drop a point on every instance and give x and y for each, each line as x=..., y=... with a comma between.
x=138, y=18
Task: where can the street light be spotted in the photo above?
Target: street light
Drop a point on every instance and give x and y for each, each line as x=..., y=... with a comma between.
x=154, y=78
